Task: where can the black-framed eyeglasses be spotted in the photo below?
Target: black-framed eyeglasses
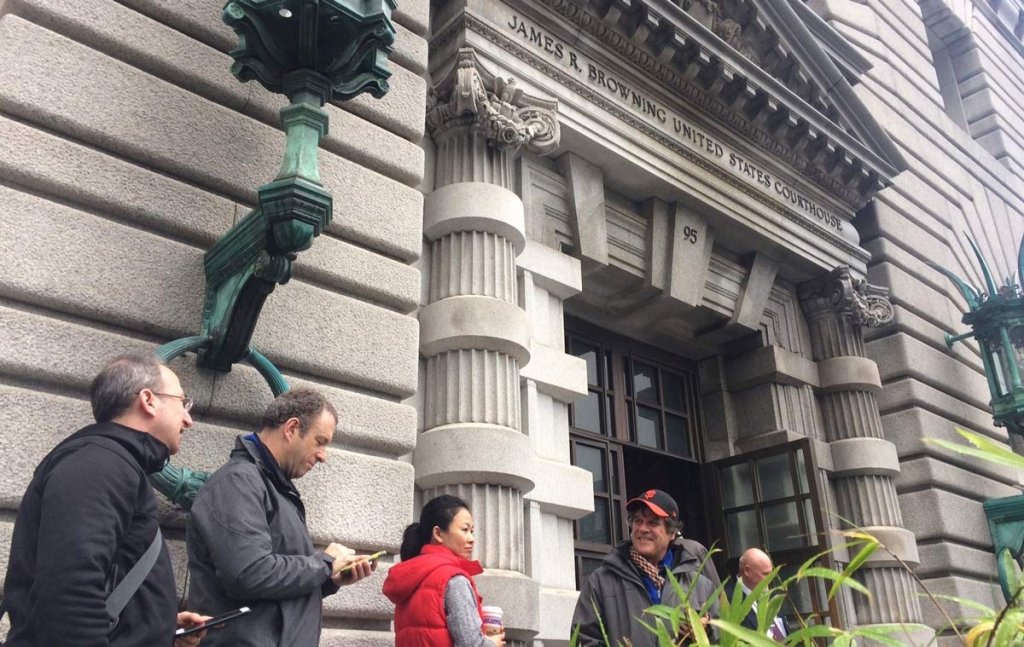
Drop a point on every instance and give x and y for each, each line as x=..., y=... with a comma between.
x=186, y=402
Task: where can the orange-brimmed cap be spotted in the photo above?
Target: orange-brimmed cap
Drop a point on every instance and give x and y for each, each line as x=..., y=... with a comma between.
x=659, y=502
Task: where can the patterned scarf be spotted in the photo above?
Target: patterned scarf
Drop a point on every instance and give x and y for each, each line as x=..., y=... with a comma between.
x=650, y=570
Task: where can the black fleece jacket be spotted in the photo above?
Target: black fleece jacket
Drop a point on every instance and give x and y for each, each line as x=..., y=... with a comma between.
x=87, y=517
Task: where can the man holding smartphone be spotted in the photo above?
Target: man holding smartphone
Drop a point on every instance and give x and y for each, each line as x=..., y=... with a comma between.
x=248, y=544
x=87, y=531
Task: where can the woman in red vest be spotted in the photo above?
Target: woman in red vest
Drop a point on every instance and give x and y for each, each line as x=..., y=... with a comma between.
x=436, y=603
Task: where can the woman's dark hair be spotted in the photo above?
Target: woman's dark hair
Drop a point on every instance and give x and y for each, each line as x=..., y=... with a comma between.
x=439, y=512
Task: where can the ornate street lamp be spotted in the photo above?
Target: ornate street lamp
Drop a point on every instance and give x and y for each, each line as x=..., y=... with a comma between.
x=312, y=51
x=996, y=318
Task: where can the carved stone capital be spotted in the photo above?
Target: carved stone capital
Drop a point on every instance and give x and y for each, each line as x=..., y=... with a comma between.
x=838, y=293
x=472, y=97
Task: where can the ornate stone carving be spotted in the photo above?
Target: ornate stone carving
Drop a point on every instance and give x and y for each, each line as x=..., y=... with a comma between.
x=510, y=119
x=856, y=299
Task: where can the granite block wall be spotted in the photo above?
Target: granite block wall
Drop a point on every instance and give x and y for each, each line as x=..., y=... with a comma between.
x=126, y=150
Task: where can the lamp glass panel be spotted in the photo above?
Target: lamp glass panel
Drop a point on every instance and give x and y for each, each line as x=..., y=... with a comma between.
x=995, y=353
x=1017, y=342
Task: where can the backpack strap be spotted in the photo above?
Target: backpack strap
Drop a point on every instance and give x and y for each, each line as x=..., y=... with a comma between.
x=123, y=592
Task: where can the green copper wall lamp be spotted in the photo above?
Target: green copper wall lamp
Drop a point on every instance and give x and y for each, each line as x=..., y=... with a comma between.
x=312, y=51
x=996, y=318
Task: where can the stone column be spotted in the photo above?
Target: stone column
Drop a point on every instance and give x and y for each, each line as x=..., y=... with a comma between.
x=837, y=307
x=474, y=336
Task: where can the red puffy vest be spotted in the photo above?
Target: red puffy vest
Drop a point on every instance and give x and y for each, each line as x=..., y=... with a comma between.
x=417, y=587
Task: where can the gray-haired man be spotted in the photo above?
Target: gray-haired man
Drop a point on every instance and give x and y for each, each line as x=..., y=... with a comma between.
x=89, y=515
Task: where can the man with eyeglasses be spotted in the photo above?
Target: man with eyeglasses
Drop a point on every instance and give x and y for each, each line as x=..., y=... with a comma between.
x=89, y=516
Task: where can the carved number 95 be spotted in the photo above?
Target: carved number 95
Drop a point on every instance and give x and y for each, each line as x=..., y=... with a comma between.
x=690, y=234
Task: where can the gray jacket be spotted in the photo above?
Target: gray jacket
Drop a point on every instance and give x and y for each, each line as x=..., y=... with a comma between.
x=620, y=596
x=248, y=546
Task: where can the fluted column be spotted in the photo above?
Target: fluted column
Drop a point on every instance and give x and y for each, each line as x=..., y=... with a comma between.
x=837, y=307
x=474, y=336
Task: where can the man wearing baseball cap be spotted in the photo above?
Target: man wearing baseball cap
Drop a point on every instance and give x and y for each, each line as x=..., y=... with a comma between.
x=633, y=576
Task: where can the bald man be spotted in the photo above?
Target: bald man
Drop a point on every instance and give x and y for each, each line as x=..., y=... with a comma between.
x=755, y=565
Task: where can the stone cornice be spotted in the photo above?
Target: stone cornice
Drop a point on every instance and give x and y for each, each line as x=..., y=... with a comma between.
x=468, y=21
x=681, y=53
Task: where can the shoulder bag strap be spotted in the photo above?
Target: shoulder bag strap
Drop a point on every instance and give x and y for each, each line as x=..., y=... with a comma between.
x=118, y=598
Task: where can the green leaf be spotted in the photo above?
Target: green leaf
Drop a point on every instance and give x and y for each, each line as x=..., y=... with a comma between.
x=1009, y=566
x=852, y=567
x=986, y=449
x=987, y=613
x=754, y=638
x=880, y=633
x=700, y=636
x=829, y=574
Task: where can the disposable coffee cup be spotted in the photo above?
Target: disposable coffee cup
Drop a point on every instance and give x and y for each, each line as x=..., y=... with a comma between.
x=492, y=620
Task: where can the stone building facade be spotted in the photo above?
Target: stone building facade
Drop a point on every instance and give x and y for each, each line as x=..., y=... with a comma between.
x=581, y=249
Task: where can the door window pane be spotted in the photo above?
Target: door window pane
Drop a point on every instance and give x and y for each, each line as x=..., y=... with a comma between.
x=678, y=432
x=801, y=472
x=609, y=416
x=812, y=528
x=627, y=376
x=615, y=468
x=742, y=531
x=587, y=413
x=592, y=459
x=590, y=354
x=799, y=594
x=737, y=489
x=608, y=373
x=587, y=566
x=674, y=391
x=616, y=522
x=645, y=381
x=782, y=526
x=594, y=527
x=648, y=427
x=774, y=477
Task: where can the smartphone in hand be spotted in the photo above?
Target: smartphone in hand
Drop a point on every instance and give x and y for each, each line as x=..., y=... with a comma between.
x=370, y=558
x=213, y=623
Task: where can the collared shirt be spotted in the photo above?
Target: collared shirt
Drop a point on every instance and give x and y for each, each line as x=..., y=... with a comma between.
x=777, y=621
x=653, y=591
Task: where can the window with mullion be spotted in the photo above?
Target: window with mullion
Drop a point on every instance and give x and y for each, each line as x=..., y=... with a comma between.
x=768, y=501
x=600, y=530
x=660, y=406
x=596, y=413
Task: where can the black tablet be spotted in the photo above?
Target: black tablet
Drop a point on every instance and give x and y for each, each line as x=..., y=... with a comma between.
x=212, y=623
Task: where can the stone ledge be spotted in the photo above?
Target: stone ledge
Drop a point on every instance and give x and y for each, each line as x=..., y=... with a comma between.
x=562, y=490
x=865, y=456
x=141, y=42
x=770, y=364
x=474, y=453
x=552, y=270
x=163, y=126
x=474, y=322
x=898, y=540
x=849, y=374
x=519, y=599
x=475, y=206
x=562, y=376
x=556, y=609
x=355, y=638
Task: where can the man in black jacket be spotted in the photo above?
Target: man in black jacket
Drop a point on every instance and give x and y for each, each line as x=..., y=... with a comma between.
x=89, y=514
x=755, y=565
x=634, y=577
x=248, y=544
